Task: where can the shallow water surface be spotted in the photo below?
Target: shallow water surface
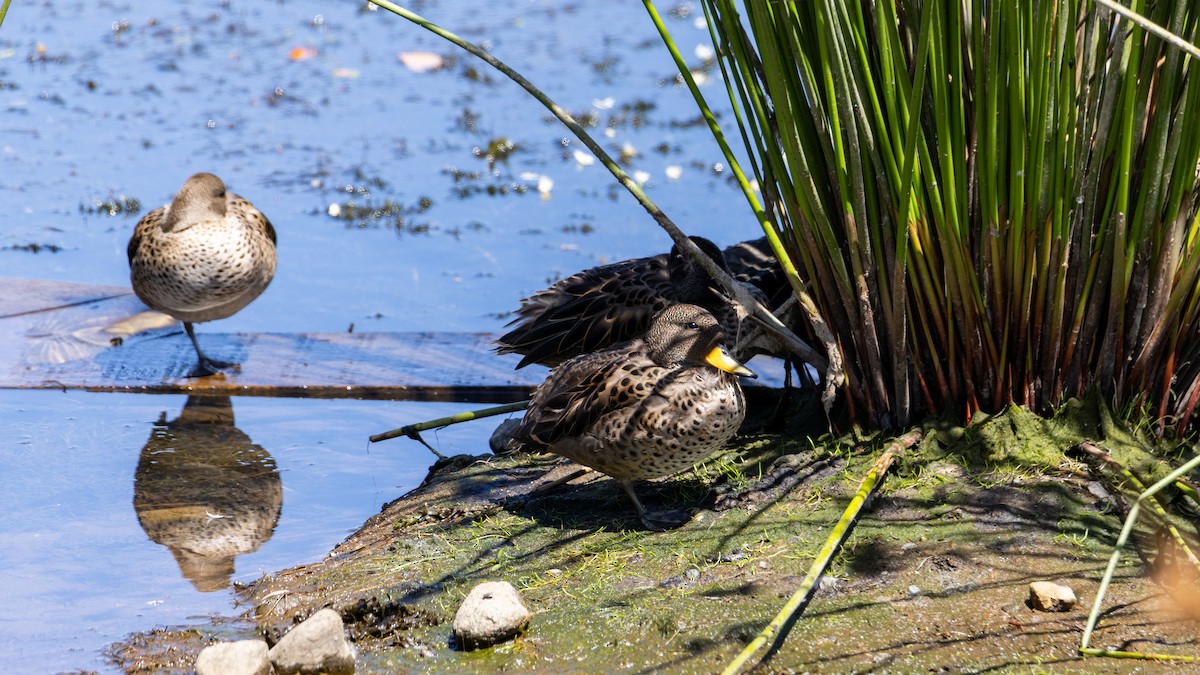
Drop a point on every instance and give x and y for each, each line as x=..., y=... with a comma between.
x=122, y=517
x=303, y=106
x=404, y=200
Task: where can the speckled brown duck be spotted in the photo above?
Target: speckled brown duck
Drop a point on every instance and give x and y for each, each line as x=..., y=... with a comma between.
x=606, y=305
x=202, y=257
x=651, y=407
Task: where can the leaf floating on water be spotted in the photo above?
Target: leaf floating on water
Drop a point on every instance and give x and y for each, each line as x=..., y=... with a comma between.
x=421, y=62
x=302, y=53
x=583, y=158
x=348, y=73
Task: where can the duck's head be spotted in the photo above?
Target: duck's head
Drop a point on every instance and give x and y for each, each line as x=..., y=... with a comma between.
x=201, y=198
x=693, y=282
x=688, y=335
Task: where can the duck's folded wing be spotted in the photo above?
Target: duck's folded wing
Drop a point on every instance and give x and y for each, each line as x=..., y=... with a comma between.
x=583, y=392
x=589, y=311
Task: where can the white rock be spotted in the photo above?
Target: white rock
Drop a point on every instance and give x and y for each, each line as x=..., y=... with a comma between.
x=318, y=645
x=244, y=657
x=493, y=612
x=1046, y=596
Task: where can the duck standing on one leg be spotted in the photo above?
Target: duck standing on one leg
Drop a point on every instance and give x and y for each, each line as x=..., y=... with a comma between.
x=651, y=407
x=202, y=257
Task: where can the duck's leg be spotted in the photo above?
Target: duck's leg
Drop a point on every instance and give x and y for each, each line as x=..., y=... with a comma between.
x=658, y=521
x=205, y=366
x=779, y=415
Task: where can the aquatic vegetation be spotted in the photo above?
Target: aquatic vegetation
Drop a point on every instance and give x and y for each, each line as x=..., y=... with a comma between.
x=978, y=226
x=114, y=205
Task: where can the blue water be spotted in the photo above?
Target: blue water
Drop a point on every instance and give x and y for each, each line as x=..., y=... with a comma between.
x=79, y=570
x=133, y=111
x=107, y=102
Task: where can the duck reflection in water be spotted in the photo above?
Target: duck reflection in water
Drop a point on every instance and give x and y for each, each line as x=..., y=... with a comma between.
x=204, y=490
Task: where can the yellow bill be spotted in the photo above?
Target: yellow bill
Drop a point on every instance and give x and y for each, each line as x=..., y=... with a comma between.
x=719, y=358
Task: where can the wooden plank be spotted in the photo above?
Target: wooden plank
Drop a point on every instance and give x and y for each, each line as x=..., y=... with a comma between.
x=26, y=296
x=411, y=366
x=75, y=336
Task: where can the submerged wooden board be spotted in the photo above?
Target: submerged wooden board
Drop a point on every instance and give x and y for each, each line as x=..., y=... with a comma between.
x=75, y=336
x=102, y=338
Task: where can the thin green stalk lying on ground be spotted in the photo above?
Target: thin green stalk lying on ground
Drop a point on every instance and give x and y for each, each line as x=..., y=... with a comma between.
x=413, y=431
x=1157, y=504
x=734, y=291
x=776, y=631
x=1130, y=520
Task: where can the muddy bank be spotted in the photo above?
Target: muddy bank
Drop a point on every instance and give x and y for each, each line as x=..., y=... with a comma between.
x=934, y=577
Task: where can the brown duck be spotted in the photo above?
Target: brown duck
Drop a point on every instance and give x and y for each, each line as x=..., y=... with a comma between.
x=651, y=407
x=202, y=257
x=603, y=306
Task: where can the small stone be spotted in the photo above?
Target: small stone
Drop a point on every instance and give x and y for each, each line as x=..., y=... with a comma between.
x=316, y=646
x=692, y=574
x=244, y=657
x=829, y=584
x=914, y=590
x=1046, y=596
x=492, y=613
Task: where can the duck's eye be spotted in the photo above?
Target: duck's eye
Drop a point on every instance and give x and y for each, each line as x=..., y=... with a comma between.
x=692, y=324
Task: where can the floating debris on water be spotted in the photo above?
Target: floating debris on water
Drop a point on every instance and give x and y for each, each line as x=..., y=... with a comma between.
x=497, y=150
x=302, y=54
x=113, y=206
x=422, y=62
x=471, y=183
x=389, y=214
x=34, y=248
x=583, y=159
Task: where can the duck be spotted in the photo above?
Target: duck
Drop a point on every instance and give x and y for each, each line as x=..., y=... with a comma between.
x=202, y=257
x=650, y=407
x=602, y=306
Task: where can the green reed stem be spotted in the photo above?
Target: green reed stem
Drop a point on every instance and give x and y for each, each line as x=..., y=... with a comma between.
x=413, y=430
x=1112, y=566
x=834, y=375
x=776, y=631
